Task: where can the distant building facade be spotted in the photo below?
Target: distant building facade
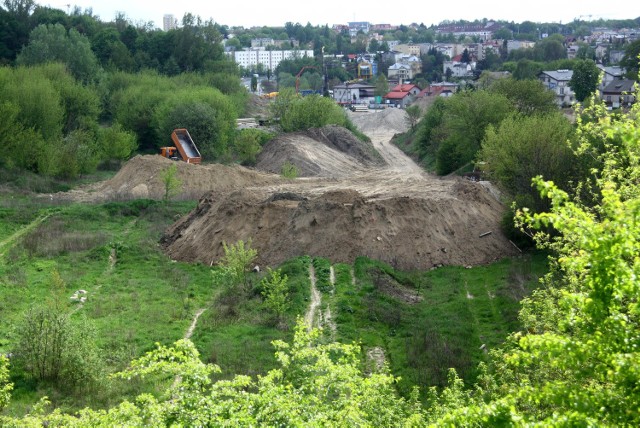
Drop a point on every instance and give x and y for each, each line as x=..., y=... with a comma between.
x=169, y=22
x=250, y=58
x=558, y=82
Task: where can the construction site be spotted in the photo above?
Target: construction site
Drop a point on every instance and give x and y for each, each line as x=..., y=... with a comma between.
x=350, y=199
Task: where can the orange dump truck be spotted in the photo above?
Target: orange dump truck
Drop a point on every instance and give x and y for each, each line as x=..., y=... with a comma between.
x=184, y=146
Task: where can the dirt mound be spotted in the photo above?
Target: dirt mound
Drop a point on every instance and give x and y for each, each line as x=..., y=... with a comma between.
x=407, y=232
x=330, y=151
x=389, y=120
x=141, y=177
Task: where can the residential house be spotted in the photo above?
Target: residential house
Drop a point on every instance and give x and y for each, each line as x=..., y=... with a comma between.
x=601, y=51
x=442, y=89
x=482, y=31
x=383, y=27
x=446, y=49
x=408, y=49
x=519, y=44
x=392, y=44
x=392, y=56
x=169, y=22
x=399, y=71
x=459, y=69
x=619, y=93
x=609, y=74
x=262, y=42
x=354, y=93
x=558, y=82
x=572, y=51
x=398, y=99
x=615, y=56
x=413, y=90
x=366, y=70
x=356, y=27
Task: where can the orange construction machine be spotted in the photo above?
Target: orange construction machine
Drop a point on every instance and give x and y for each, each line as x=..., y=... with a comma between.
x=184, y=147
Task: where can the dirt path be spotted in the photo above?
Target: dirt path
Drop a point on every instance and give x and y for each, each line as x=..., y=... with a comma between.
x=192, y=327
x=327, y=316
x=310, y=316
x=396, y=159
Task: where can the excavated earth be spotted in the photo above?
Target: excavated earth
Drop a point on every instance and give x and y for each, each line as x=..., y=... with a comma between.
x=351, y=201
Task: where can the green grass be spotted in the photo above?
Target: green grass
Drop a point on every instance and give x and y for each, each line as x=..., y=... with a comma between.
x=459, y=311
x=426, y=322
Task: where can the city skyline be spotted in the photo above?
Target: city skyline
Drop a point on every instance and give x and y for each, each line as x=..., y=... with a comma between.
x=275, y=14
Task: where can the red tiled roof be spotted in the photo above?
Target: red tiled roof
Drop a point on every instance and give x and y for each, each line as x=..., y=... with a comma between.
x=406, y=87
x=396, y=95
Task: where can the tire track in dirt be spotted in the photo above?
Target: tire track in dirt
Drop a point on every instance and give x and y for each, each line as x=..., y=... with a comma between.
x=316, y=299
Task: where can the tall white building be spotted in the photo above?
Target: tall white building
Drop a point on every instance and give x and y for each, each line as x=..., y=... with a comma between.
x=269, y=59
x=169, y=22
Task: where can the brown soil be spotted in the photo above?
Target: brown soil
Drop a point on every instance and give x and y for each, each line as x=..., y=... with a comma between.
x=395, y=213
x=331, y=151
x=348, y=203
x=141, y=177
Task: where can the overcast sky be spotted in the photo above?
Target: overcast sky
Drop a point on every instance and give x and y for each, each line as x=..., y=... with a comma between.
x=250, y=13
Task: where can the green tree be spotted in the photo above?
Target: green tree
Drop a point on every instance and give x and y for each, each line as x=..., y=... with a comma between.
x=523, y=147
x=527, y=69
x=315, y=384
x=527, y=96
x=413, y=115
x=430, y=132
x=275, y=291
x=382, y=85
x=171, y=182
x=5, y=386
x=49, y=43
x=314, y=111
x=550, y=49
x=464, y=121
x=248, y=144
x=631, y=59
x=585, y=78
x=116, y=143
x=54, y=347
x=237, y=262
x=576, y=360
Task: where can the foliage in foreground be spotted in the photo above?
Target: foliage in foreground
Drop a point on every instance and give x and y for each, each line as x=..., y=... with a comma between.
x=578, y=361
x=316, y=385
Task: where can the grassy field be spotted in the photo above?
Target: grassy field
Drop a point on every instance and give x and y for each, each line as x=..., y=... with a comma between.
x=429, y=321
x=425, y=322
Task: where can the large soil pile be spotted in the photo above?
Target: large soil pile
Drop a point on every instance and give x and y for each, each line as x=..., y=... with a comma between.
x=395, y=213
x=389, y=121
x=330, y=151
x=408, y=232
x=141, y=177
x=349, y=204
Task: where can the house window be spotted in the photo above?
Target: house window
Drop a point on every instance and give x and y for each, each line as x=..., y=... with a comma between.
x=608, y=98
x=561, y=90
